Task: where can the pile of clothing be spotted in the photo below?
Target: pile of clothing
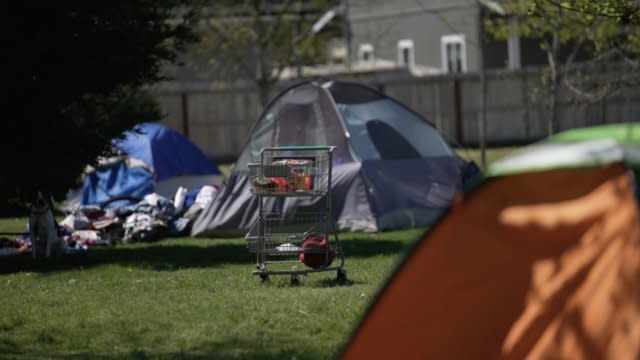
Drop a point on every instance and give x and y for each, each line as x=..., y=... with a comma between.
x=13, y=246
x=91, y=225
x=149, y=219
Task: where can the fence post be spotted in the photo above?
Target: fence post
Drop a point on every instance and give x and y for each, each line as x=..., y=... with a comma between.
x=457, y=111
x=525, y=103
x=184, y=105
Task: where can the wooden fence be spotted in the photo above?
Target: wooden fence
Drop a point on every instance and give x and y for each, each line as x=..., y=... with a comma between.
x=219, y=120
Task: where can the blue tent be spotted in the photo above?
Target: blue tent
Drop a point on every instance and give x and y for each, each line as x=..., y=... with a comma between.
x=167, y=151
x=155, y=159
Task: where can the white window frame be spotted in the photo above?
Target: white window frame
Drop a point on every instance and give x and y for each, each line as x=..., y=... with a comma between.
x=406, y=44
x=453, y=39
x=366, y=48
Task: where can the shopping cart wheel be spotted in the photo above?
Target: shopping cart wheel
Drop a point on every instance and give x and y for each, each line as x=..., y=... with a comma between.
x=294, y=280
x=342, y=275
x=264, y=277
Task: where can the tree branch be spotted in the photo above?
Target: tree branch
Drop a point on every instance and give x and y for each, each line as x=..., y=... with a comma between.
x=235, y=53
x=574, y=51
x=278, y=20
x=584, y=11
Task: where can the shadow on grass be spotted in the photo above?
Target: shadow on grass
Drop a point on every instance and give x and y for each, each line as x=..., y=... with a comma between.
x=333, y=282
x=313, y=280
x=8, y=347
x=372, y=247
x=158, y=257
x=170, y=257
x=233, y=348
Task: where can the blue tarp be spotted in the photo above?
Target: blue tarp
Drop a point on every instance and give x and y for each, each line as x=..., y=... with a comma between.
x=162, y=149
x=114, y=181
x=167, y=151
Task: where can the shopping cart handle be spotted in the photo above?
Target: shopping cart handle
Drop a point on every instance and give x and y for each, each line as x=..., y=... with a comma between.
x=301, y=148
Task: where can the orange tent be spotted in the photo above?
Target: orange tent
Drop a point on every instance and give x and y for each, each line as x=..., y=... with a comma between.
x=542, y=264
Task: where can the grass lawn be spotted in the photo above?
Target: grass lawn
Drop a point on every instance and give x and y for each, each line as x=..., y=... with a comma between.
x=188, y=299
x=185, y=298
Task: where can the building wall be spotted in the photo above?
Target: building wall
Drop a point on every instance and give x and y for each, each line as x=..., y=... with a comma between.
x=383, y=23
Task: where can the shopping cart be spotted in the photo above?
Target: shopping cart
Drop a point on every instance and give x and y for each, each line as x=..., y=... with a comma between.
x=297, y=240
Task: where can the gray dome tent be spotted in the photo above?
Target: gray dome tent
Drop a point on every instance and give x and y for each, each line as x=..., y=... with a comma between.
x=391, y=168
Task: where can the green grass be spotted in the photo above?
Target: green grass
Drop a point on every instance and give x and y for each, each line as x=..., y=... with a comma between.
x=183, y=298
x=187, y=299
x=225, y=169
x=491, y=155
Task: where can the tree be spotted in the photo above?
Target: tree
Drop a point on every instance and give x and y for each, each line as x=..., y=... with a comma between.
x=257, y=39
x=77, y=73
x=598, y=33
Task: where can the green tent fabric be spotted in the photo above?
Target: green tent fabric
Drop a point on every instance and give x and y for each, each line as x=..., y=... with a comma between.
x=577, y=148
x=625, y=133
x=582, y=154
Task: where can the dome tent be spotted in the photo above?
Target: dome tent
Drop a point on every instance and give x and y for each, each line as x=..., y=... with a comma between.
x=154, y=158
x=542, y=260
x=391, y=168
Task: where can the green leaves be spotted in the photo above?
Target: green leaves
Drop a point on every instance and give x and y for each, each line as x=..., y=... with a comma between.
x=583, y=40
x=255, y=40
x=599, y=22
x=77, y=73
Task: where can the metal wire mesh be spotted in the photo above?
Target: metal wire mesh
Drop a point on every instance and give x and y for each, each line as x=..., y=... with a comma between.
x=281, y=173
x=297, y=234
x=276, y=235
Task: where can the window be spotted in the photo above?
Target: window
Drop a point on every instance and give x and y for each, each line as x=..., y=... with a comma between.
x=337, y=51
x=405, y=52
x=513, y=46
x=365, y=53
x=454, y=53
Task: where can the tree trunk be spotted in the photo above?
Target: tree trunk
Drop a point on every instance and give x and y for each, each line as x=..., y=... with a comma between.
x=263, y=93
x=552, y=126
x=482, y=119
x=263, y=79
x=552, y=58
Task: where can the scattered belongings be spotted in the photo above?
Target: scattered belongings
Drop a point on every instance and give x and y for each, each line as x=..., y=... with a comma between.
x=150, y=219
x=13, y=246
x=149, y=158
